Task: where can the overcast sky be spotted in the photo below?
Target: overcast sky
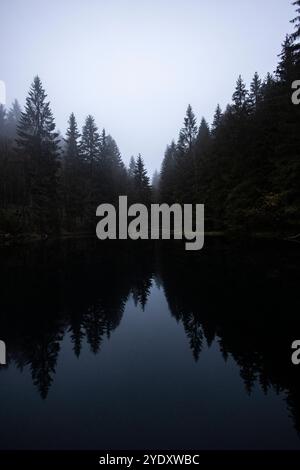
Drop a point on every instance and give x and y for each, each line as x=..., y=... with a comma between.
x=136, y=64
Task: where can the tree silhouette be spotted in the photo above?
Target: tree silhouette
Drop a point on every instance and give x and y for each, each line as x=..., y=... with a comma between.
x=38, y=143
x=141, y=181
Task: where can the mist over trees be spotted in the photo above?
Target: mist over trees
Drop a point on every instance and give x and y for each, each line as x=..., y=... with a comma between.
x=244, y=166
x=49, y=185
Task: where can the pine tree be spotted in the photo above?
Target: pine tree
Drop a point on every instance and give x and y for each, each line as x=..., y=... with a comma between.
x=113, y=153
x=91, y=182
x=72, y=140
x=202, y=149
x=296, y=22
x=285, y=71
x=255, y=96
x=90, y=142
x=167, y=181
x=188, y=133
x=113, y=172
x=73, y=177
x=240, y=96
x=130, y=183
x=38, y=143
x=216, y=120
x=131, y=167
x=203, y=136
x=141, y=181
x=103, y=144
x=267, y=85
x=296, y=36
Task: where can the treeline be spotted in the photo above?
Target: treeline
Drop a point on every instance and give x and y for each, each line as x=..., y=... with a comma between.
x=245, y=167
x=50, y=184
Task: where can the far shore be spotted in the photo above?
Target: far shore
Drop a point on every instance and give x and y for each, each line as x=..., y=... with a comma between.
x=7, y=239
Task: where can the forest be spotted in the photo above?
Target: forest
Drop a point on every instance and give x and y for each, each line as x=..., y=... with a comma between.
x=244, y=167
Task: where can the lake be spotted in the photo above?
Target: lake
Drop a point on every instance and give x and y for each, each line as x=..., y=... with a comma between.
x=135, y=345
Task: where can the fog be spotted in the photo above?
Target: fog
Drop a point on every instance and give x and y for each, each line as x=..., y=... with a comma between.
x=135, y=65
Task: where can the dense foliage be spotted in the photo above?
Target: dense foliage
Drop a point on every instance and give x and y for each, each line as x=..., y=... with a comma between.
x=49, y=184
x=245, y=167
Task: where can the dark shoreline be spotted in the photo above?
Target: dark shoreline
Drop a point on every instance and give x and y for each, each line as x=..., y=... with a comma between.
x=24, y=239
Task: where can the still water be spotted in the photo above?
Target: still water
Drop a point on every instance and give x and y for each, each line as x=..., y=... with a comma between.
x=146, y=346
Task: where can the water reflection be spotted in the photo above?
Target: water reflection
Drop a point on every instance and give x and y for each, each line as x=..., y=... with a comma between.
x=244, y=296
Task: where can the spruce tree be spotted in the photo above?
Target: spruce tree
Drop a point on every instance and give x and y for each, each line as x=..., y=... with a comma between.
x=240, y=96
x=296, y=36
x=285, y=71
x=73, y=177
x=72, y=140
x=296, y=22
x=131, y=167
x=38, y=144
x=103, y=144
x=141, y=181
x=188, y=133
x=203, y=136
x=255, y=96
x=113, y=173
x=167, y=181
x=90, y=142
x=90, y=155
x=216, y=120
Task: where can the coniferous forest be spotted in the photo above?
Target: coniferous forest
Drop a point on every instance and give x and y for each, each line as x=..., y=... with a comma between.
x=244, y=166
x=133, y=337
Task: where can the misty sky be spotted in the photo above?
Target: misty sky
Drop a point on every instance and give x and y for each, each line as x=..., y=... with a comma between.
x=136, y=64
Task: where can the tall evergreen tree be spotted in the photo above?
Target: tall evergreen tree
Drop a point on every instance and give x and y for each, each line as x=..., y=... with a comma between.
x=240, y=96
x=167, y=181
x=217, y=119
x=131, y=167
x=38, y=143
x=73, y=177
x=141, y=181
x=296, y=22
x=72, y=140
x=203, y=136
x=90, y=142
x=255, y=96
x=91, y=155
x=113, y=172
x=188, y=133
x=285, y=71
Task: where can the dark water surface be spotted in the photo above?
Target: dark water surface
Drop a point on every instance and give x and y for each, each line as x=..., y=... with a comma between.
x=146, y=346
